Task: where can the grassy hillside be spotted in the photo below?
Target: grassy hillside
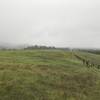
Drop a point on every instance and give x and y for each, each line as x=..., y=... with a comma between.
x=47, y=75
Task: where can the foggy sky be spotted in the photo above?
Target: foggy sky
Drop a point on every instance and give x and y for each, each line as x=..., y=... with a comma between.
x=61, y=23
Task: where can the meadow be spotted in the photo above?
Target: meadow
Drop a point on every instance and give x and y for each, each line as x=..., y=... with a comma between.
x=47, y=75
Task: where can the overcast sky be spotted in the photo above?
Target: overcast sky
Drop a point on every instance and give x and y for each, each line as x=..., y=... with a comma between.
x=61, y=23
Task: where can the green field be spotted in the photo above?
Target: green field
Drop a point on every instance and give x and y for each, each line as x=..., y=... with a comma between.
x=47, y=75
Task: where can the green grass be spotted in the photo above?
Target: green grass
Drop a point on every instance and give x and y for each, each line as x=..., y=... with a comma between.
x=47, y=75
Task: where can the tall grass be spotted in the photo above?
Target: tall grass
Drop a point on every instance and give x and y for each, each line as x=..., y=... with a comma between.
x=46, y=75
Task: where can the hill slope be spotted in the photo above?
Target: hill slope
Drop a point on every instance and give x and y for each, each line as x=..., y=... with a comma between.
x=46, y=75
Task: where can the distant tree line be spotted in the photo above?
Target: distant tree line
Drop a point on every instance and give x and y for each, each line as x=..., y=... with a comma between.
x=92, y=51
x=95, y=51
x=44, y=47
x=39, y=47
